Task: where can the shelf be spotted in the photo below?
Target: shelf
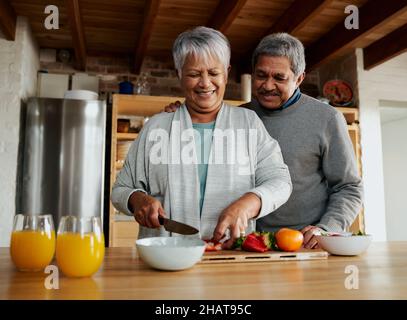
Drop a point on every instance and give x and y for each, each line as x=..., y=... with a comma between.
x=126, y=136
x=351, y=114
x=353, y=127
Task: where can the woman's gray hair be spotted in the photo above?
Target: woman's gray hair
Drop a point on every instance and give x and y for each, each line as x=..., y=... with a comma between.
x=282, y=45
x=201, y=42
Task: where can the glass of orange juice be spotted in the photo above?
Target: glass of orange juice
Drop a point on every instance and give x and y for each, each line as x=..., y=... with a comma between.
x=80, y=246
x=32, y=245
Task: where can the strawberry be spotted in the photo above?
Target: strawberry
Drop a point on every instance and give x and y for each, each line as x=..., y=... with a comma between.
x=238, y=243
x=254, y=243
x=267, y=240
x=212, y=246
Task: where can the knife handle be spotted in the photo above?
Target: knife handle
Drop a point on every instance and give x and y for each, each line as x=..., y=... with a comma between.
x=161, y=220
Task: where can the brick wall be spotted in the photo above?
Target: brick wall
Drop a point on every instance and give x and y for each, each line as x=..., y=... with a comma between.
x=311, y=84
x=112, y=70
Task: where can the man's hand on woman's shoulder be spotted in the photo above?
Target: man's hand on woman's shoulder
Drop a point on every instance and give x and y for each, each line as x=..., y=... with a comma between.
x=172, y=107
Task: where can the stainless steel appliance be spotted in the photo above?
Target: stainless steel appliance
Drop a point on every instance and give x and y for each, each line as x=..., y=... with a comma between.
x=63, y=155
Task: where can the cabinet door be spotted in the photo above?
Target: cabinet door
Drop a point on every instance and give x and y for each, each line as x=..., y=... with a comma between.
x=124, y=233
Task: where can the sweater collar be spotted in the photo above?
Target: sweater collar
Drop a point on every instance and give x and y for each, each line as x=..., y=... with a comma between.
x=293, y=99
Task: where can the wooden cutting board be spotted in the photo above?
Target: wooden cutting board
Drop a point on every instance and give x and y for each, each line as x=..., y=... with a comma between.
x=236, y=256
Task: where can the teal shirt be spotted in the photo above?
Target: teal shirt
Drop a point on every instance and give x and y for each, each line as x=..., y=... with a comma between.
x=203, y=138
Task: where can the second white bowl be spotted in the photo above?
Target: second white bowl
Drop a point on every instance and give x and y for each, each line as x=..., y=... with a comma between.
x=345, y=246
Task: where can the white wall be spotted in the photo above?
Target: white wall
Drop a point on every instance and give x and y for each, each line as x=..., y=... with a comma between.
x=394, y=141
x=19, y=63
x=387, y=81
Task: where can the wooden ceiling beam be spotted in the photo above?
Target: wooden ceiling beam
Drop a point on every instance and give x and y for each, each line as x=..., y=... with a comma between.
x=372, y=15
x=8, y=20
x=150, y=14
x=225, y=13
x=298, y=15
x=78, y=35
x=385, y=48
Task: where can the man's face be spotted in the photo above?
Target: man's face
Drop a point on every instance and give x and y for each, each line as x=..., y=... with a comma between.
x=273, y=81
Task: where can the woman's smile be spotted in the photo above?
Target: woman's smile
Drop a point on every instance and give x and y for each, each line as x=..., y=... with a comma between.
x=205, y=93
x=204, y=83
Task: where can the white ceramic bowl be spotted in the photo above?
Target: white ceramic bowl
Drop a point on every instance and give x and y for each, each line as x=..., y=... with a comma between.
x=345, y=246
x=170, y=253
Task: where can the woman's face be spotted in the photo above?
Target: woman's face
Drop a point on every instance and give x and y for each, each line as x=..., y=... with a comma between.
x=203, y=83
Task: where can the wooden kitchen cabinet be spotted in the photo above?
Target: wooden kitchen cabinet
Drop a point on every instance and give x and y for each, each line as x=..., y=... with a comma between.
x=123, y=230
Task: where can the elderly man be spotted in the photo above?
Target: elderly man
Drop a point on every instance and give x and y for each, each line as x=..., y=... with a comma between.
x=327, y=190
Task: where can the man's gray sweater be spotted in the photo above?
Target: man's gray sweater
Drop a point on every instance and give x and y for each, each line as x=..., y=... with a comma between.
x=327, y=189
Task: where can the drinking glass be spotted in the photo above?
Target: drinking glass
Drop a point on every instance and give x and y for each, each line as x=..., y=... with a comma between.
x=80, y=246
x=32, y=245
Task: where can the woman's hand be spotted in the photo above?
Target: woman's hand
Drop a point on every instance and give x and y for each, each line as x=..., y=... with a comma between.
x=235, y=218
x=146, y=209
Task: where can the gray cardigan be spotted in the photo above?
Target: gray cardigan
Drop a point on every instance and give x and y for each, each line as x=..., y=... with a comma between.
x=162, y=162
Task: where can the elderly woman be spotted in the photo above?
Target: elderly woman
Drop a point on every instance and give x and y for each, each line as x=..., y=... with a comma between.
x=208, y=165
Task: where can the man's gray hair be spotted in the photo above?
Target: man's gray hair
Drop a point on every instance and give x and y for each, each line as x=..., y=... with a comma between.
x=282, y=45
x=201, y=42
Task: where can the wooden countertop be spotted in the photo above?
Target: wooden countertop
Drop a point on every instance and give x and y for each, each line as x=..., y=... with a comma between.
x=382, y=275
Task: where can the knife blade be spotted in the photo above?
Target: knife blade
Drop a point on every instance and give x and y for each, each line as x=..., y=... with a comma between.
x=177, y=227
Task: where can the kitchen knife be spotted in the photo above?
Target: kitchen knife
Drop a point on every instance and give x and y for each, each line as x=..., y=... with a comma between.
x=177, y=227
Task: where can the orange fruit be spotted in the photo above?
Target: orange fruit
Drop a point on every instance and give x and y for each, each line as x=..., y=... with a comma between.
x=289, y=239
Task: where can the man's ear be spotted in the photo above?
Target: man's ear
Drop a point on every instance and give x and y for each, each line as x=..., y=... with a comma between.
x=300, y=79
